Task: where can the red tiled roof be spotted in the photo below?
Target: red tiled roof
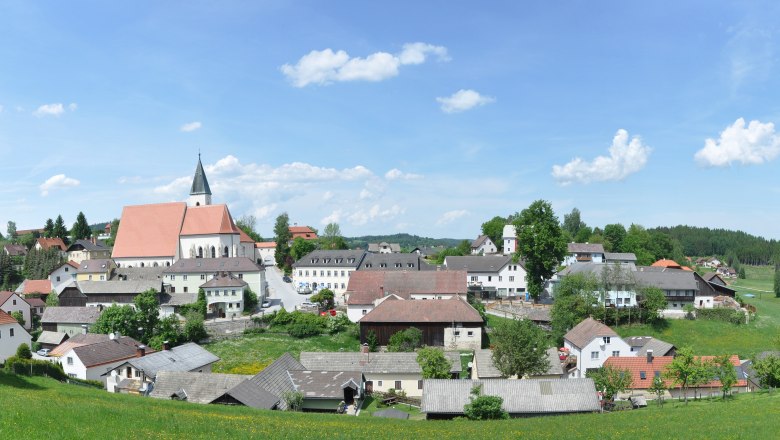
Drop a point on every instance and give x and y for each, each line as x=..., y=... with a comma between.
x=57, y=242
x=209, y=219
x=149, y=230
x=265, y=244
x=36, y=286
x=303, y=232
x=450, y=310
x=667, y=263
x=245, y=238
x=367, y=286
x=4, y=295
x=35, y=302
x=5, y=318
x=586, y=330
x=636, y=365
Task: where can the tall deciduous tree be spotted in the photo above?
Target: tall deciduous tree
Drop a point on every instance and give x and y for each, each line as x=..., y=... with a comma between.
x=434, y=363
x=494, y=228
x=572, y=223
x=653, y=301
x=147, y=308
x=768, y=371
x=247, y=224
x=520, y=348
x=540, y=244
x=81, y=229
x=726, y=374
x=283, y=235
x=686, y=370
x=301, y=247
x=610, y=381
x=574, y=301
x=331, y=237
x=11, y=230
x=614, y=234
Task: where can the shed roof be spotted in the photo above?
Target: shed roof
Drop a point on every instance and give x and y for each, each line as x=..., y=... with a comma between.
x=367, y=286
x=70, y=315
x=49, y=337
x=198, y=387
x=186, y=357
x=107, y=351
x=325, y=384
x=117, y=287
x=586, y=248
x=430, y=311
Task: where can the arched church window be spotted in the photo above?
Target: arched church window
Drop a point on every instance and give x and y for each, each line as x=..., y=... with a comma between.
x=225, y=254
x=200, y=252
x=142, y=264
x=155, y=264
x=197, y=203
x=213, y=252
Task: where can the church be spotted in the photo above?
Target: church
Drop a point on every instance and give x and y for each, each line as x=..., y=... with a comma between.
x=160, y=234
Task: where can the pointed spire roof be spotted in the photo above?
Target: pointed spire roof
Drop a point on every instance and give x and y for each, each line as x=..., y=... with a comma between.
x=200, y=185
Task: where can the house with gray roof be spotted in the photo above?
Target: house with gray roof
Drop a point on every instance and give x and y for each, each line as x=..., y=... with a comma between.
x=591, y=342
x=484, y=367
x=93, y=360
x=70, y=320
x=382, y=371
x=187, y=274
x=82, y=250
x=327, y=269
x=445, y=399
x=135, y=375
x=491, y=276
x=620, y=257
x=394, y=261
x=384, y=248
x=640, y=345
x=584, y=253
x=107, y=293
x=203, y=388
x=483, y=245
x=49, y=339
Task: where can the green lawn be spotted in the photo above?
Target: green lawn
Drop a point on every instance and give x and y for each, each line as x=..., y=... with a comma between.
x=713, y=337
x=370, y=407
x=251, y=353
x=28, y=412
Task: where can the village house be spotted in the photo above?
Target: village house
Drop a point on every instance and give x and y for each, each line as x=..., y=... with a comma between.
x=266, y=253
x=37, y=305
x=91, y=361
x=303, y=232
x=491, y=276
x=445, y=399
x=483, y=245
x=584, y=253
x=591, y=343
x=510, y=239
x=107, y=293
x=393, y=261
x=384, y=248
x=620, y=278
x=95, y=270
x=50, y=340
x=383, y=371
x=449, y=323
x=640, y=345
x=188, y=274
x=644, y=369
x=34, y=287
x=49, y=243
x=69, y=320
x=225, y=295
x=63, y=276
x=11, y=302
x=88, y=250
x=203, y=388
x=15, y=250
x=326, y=269
x=367, y=288
x=484, y=368
x=135, y=375
x=12, y=335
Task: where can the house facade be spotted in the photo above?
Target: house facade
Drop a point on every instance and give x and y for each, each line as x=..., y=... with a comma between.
x=483, y=245
x=63, y=276
x=266, y=253
x=510, y=239
x=12, y=335
x=329, y=269
x=225, y=295
x=492, y=275
x=592, y=343
x=584, y=253
x=95, y=270
x=12, y=302
x=92, y=361
x=69, y=320
x=88, y=250
x=188, y=274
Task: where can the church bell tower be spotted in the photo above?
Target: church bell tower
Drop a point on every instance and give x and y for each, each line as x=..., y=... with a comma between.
x=200, y=193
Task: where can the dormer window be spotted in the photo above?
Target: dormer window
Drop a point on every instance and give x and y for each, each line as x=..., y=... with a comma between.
x=382, y=264
x=606, y=339
x=368, y=265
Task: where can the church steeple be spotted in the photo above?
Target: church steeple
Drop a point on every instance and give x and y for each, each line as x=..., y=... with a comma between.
x=200, y=193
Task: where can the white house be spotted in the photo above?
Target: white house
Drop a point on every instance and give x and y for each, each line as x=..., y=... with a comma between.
x=62, y=276
x=483, y=245
x=510, y=239
x=94, y=360
x=12, y=335
x=496, y=275
x=621, y=278
x=266, y=253
x=69, y=320
x=188, y=274
x=384, y=248
x=11, y=302
x=592, y=343
x=329, y=269
x=584, y=253
x=225, y=295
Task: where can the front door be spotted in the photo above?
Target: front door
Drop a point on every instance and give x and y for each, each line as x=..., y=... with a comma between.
x=349, y=396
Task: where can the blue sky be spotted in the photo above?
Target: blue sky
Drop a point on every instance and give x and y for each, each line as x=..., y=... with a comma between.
x=420, y=117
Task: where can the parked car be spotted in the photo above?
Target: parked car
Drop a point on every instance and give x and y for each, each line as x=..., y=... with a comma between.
x=43, y=352
x=287, y=279
x=266, y=304
x=304, y=290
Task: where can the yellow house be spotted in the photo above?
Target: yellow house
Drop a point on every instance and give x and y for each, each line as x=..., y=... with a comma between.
x=95, y=270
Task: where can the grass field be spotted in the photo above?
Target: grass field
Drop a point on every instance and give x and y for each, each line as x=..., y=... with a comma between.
x=713, y=337
x=251, y=353
x=42, y=408
x=370, y=407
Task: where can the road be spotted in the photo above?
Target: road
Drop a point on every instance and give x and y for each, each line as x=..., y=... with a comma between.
x=281, y=294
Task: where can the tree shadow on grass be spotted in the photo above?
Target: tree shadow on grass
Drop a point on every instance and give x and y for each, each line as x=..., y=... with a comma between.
x=660, y=325
x=17, y=381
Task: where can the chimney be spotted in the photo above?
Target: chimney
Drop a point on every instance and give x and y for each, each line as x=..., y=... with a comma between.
x=117, y=335
x=140, y=351
x=84, y=328
x=649, y=356
x=166, y=345
x=381, y=291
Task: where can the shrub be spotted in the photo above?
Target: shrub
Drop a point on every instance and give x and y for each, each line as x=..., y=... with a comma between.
x=722, y=314
x=23, y=351
x=339, y=323
x=372, y=341
x=405, y=340
x=282, y=317
x=250, y=300
x=485, y=408
x=34, y=367
x=254, y=331
x=305, y=325
x=194, y=329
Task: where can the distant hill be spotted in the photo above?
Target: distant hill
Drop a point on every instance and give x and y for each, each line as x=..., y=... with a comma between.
x=406, y=241
x=698, y=241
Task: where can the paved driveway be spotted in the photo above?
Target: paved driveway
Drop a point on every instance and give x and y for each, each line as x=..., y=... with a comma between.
x=281, y=294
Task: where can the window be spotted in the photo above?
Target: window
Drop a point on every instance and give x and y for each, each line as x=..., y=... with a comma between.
x=616, y=353
x=470, y=333
x=379, y=383
x=11, y=333
x=657, y=373
x=203, y=276
x=70, y=360
x=605, y=339
x=71, y=375
x=230, y=305
x=511, y=279
x=240, y=276
x=473, y=278
x=419, y=384
x=173, y=277
x=184, y=277
x=457, y=332
x=490, y=278
x=643, y=375
x=328, y=273
x=14, y=302
x=594, y=355
x=185, y=289
x=500, y=278
x=137, y=373
x=398, y=384
x=90, y=277
x=342, y=273
x=213, y=252
x=102, y=277
x=364, y=312
x=322, y=273
x=173, y=289
x=200, y=252
x=307, y=273
x=342, y=286
x=58, y=279
x=233, y=293
x=368, y=265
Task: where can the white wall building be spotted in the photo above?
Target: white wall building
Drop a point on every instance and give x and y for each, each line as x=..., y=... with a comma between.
x=483, y=245
x=329, y=269
x=584, y=253
x=92, y=361
x=188, y=274
x=12, y=302
x=265, y=253
x=510, y=239
x=12, y=335
x=495, y=273
x=592, y=343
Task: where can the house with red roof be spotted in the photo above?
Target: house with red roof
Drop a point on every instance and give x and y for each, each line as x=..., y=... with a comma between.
x=12, y=302
x=644, y=370
x=449, y=323
x=48, y=243
x=34, y=287
x=12, y=334
x=304, y=232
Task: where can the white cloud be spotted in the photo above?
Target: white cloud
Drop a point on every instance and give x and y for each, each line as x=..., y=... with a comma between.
x=72, y=106
x=327, y=196
x=333, y=217
x=451, y=216
x=55, y=109
x=264, y=212
x=59, y=181
x=753, y=144
x=375, y=213
x=396, y=174
x=326, y=66
x=365, y=194
x=463, y=100
x=190, y=126
x=625, y=158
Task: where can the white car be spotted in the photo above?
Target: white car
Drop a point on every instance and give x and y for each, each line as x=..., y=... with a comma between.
x=43, y=352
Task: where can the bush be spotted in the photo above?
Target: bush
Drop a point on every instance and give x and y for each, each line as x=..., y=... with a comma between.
x=194, y=329
x=23, y=351
x=405, y=340
x=250, y=300
x=306, y=324
x=34, y=367
x=339, y=323
x=372, y=341
x=722, y=314
x=282, y=317
x=254, y=331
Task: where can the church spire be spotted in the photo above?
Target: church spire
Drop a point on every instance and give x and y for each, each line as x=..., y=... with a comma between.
x=200, y=193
